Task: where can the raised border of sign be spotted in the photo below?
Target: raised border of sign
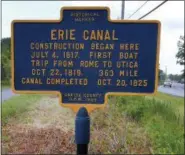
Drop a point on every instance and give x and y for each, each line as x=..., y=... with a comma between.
x=90, y=107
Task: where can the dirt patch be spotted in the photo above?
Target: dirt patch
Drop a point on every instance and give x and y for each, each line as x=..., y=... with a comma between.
x=26, y=140
x=48, y=113
x=47, y=128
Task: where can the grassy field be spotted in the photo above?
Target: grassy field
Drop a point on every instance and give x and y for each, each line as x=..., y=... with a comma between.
x=176, y=102
x=16, y=105
x=154, y=125
x=128, y=125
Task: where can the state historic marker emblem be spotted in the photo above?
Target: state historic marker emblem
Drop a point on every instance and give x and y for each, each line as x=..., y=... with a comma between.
x=85, y=56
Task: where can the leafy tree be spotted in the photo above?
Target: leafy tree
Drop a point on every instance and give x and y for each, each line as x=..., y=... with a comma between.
x=5, y=44
x=5, y=60
x=180, y=53
x=175, y=77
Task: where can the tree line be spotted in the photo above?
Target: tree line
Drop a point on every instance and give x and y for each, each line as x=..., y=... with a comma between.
x=175, y=77
x=5, y=61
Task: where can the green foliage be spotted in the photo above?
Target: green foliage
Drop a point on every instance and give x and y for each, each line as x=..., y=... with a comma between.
x=112, y=132
x=17, y=105
x=133, y=123
x=175, y=77
x=180, y=54
x=5, y=61
x=166, y=136
x=5, y=45
x=163, y=124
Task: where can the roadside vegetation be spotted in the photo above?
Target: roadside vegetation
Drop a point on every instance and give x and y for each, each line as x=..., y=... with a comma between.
x=17, y=105
x=128, y=125
x=5, y=62
x=140, y=125
x=4, y=86
x=175, y=102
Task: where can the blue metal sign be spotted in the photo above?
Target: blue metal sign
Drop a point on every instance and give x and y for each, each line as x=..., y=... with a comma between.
x=85, y=56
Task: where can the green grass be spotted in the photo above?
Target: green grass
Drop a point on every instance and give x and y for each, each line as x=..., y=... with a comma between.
x=176, y=102
x=17, y=105
x=113, y=132
x=4, y=87
x=139, y=125
x=161, y=118
x=169, y=98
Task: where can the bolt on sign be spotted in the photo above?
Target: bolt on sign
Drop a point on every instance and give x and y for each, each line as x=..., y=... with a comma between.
x=85, y=56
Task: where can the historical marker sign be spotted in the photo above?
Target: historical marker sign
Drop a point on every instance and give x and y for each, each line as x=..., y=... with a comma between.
x=85, y=56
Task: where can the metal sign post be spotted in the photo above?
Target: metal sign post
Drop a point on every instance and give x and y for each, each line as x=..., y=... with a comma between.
x=82, y=131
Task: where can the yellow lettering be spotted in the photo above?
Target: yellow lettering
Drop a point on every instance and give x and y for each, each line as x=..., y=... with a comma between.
x=23, y=80
x=137, y=47
x=93, y=36
x=114, y=35
x=65, y=81
x=130, y=47
x=125, y=64
x=103, y=82
x=85, y=35
x=139, y=83
x=53, y=34
x=32, y=46
x=102, y=46
x=71, y=72
x=107, y=64
x=99, y=34
x=65, y=63
x=126, y=46
x=60, y=34
x=63, y=34
x=125, y=55
x=31, y=81
x=130, y=73
x=121, y=83
x=86, y=64
x=39, y=72
x=107, y=35
x=72, y=33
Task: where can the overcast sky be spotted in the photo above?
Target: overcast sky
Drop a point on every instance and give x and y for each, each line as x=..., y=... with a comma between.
x=171, y=15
